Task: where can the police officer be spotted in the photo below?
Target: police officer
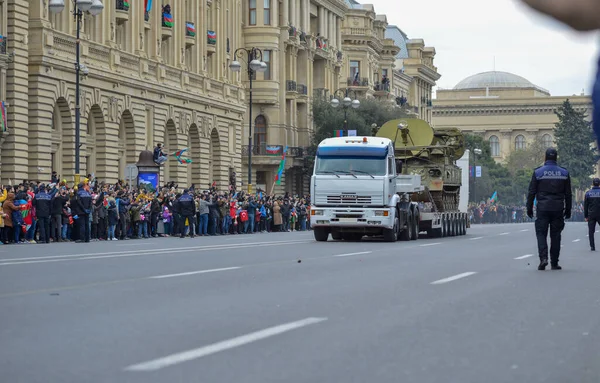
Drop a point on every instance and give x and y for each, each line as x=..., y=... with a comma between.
x=84, y=209
x=551, y=186
x=43, y=207
x=591, y=210
x=187, y=209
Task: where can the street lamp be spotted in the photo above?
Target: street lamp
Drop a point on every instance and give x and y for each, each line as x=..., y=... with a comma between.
x=346, y=102
x=477, y=152
x=255, y=64
x=94, y=7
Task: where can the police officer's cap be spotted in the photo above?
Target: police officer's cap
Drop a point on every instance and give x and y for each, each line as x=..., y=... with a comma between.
x=596, y=181
x=186, y=191
x=551, y=154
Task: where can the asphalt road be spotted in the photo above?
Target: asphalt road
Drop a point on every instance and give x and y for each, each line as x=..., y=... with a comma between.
x=284, y=308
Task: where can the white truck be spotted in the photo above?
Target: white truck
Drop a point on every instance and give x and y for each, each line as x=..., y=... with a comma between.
x=357, y=189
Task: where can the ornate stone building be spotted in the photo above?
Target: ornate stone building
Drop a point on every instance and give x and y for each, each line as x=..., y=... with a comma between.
x=301, y=44
x=505, y=109
x=415, y=74
x=144, y=80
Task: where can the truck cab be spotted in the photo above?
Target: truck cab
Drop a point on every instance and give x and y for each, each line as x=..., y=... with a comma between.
x=356, y=190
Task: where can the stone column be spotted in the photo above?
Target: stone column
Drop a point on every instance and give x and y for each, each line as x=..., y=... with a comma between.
x=15, y=150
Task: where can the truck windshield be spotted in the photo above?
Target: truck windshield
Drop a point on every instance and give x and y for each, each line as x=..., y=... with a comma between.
x=343, y=164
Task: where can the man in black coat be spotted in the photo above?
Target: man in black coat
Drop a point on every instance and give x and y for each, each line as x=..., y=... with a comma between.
x=83, y=208
x=591, y=210
x=551, y=186
x=43, y=207
x=187, y=209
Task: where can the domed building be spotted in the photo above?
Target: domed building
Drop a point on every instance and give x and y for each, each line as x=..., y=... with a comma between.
x=505, y=109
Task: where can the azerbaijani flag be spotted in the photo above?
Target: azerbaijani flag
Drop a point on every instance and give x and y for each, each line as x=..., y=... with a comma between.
x=126, y=4
x=148, y=5
x=272, y=150
x=338, y=133
x=167, y=20
x=494, y=197
x=281, y=167
x=212, y=37
x=3, y=118
x=191, y=29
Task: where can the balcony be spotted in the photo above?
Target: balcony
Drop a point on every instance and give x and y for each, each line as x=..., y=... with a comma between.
x=364, y=82
x=211, y=41
x=3, y=43
x=291, y=86
x=122, y=11
x=167, y=23
x=274, y=151
x=382, y=89
x=190, y=33
x=302, y=90
x=146, y=16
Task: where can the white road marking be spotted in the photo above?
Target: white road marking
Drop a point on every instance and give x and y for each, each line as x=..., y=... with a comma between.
x=186, y=356
x=133, y=253
x=194, y=272
x=525, y=230
x=525, y=256
x=349, y=254
x=576, y=240
x=453, y=278
x=504, y=234
x=472, y=239
x=430, y=244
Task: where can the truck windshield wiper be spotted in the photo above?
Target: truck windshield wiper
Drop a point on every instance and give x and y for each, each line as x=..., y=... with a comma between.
x=330, y=172
x=347, y=172
x=363, y=172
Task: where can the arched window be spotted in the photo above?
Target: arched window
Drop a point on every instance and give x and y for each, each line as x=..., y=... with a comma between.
x=495, y=146
x=260, y=133
x=547, y=140
x=520, y=142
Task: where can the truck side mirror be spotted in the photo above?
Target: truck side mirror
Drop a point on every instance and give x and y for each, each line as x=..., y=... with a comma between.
x=398, y=166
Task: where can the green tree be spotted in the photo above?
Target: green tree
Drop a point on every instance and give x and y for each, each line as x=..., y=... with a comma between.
x=527, y=159
x=575, y=144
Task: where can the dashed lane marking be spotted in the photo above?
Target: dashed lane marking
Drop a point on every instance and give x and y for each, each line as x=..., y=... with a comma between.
x=504, y=234
x=453, y=278
x=214, y=348
x=473, y=239
x=525, y=230
x=194, y=272
x=350, y=254
x=525, y=256
x=576, y=240
x=430, y=244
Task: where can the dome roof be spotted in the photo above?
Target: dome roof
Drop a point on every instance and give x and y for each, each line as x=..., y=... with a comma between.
x=496, y=79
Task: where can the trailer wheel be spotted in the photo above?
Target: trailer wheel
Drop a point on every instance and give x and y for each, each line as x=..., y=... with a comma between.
x=391, y=235
x=463, y=224
x=453, y=226
x=321, y=234
x=444, y=226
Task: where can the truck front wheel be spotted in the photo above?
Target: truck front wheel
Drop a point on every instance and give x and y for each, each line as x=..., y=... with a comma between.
x=321, y=234
x=391, y=235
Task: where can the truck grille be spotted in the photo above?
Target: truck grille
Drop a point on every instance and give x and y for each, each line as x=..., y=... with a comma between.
x=347, y=199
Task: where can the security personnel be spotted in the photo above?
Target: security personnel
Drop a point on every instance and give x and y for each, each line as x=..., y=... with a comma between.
x=551, y=186
x=591, y=210
x=84, y=209
x=43, y=207
x=187, y=209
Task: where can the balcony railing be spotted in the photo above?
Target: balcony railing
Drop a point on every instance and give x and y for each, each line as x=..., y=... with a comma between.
x=303, y=89
x=358, y=82
x=211, y=37
x=273, y=150
x=3, y=44
x=293, y=31
x=123, y=5
x=291, y=86
x=382, y=87
x=167, y=19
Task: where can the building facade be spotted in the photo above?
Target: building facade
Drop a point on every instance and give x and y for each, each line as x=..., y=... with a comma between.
x=147, y=77
x=300, y=41
x=414, y=74
x=507, y=110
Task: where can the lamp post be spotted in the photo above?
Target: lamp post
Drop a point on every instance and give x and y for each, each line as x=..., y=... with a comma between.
x=254, y=64
x=476, y=152
x=346, y=102
x=94, y=7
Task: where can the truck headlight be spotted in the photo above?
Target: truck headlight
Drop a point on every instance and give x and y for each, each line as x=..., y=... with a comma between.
x=316, y=212
x=381, y=213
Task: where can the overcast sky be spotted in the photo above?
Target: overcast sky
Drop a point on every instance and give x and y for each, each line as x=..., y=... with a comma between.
x=467, y=34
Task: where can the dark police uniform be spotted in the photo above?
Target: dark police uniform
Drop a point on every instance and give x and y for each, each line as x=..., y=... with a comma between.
x=591, y=210
x=84, y=209
x=551, y=186
x=43, y=207
x=187, y=209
